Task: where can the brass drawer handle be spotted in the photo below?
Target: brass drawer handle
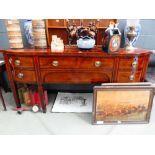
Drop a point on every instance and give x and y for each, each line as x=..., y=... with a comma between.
x=17, y=62
x=98, y=63
x=55, y=63
x=131, y=77
x=20, y=75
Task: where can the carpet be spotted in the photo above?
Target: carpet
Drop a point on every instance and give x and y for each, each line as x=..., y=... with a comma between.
x=73, y=102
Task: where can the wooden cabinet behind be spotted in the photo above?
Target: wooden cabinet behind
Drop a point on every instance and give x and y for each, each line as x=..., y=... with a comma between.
x=59, y=27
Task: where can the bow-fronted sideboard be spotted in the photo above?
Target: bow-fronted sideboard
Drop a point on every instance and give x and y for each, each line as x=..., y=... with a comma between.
x=73, y=66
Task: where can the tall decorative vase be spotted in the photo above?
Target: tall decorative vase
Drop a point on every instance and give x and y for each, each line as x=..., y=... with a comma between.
x=28, y=32
x=14, y=33
x=39, y=33
x=131, y=33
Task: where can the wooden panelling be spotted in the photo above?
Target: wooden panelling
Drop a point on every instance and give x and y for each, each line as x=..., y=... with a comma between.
x=75, y=77
x=56, y=22
x=74, y=22
x=86, y=22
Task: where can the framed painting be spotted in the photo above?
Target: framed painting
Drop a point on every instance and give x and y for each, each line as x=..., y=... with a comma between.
x=124, y=103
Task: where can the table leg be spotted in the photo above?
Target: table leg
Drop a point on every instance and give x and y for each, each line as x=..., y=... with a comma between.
x=42, y=98
x=15, y=94
x=1, y=96
x=12, y=83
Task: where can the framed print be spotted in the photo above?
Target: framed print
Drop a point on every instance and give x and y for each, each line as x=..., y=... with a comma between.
x=124, y=103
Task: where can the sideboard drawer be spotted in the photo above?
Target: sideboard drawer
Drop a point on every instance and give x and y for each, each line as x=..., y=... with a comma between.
x=24, y=76
x=58, y=62
x=76, y=63
x=24, y=62
x=95, y=63
x=75, y=77
x=128, y=77
x=130, y=62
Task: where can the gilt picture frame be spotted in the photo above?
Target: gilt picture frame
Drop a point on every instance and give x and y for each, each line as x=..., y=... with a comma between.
x=124, y=103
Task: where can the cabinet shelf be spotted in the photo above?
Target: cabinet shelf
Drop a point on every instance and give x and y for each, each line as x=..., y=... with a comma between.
x=56, y=27
x=59, y=27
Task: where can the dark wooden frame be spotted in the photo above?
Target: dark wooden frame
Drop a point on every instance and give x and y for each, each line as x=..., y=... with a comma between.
x=123, y=86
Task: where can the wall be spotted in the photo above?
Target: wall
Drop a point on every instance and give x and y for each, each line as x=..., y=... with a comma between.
x=4, y=44
x=147, y=36
x=146, y=39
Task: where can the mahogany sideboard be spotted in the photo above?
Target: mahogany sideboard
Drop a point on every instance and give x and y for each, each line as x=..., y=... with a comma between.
x=73, y=66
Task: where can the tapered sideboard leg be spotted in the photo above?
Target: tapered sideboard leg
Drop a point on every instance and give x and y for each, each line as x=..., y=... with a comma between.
x=2, y=99
x=12, y=83
x=15, y=94
x=42, y=98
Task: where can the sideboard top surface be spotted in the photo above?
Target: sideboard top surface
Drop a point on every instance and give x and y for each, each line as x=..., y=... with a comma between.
x=74, y=51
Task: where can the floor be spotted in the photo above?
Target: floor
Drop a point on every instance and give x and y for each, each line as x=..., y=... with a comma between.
x=30, y=123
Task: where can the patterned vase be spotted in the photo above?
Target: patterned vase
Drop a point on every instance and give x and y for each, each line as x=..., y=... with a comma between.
x=28, y=32
x=39, y=33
